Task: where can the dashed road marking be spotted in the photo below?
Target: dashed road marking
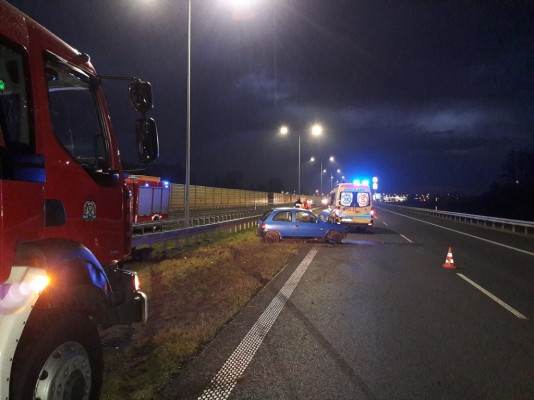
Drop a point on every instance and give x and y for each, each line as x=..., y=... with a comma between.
x=493, y=297
x=530, y=253
x=407, y=238
x=385, y=223
x=224, y=381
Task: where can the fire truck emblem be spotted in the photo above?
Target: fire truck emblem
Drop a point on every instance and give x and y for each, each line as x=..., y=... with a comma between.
x=89, y=211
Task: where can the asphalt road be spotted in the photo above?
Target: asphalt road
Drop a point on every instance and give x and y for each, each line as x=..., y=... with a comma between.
x=379, y=318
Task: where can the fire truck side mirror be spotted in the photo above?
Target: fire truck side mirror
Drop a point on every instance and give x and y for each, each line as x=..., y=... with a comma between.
x=140, y=95
x=146, y=132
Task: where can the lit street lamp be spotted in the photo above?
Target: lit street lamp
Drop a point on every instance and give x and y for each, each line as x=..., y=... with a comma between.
x=315, y=130
x=322, y=170
x=238, y=5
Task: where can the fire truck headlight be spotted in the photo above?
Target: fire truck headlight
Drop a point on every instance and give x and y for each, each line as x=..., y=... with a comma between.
x=39, y=283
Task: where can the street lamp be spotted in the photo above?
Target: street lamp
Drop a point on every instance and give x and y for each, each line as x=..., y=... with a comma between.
x=322, y=170
x=315, y=130
x=238, y=5
x=338, y=171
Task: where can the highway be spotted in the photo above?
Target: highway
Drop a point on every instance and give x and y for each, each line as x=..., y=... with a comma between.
x=379, y=318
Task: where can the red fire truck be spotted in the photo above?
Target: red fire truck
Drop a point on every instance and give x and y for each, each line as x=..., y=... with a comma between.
x=65, y=225
x=151, y=197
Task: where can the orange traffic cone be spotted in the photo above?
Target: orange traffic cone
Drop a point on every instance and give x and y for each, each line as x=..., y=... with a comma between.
x=449, y=261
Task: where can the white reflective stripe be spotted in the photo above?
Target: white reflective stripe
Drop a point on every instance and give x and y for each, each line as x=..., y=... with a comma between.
x=493, y=297
x=530, y=253
x=225, y=380
x=14, y=313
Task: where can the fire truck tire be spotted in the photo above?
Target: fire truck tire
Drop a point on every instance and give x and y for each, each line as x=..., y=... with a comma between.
x=58, y=357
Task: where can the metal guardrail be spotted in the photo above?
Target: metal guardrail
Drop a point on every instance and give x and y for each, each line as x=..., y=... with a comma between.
x=204, y=218
x=506, y=224
x=233, y=225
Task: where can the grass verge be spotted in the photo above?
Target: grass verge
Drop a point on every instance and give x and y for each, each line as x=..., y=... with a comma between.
x=193, y=292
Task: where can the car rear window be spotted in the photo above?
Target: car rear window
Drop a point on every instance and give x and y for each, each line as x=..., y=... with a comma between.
x=265, y=215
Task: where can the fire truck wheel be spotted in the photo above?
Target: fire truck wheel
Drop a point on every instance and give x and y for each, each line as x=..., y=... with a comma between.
x=58, y=357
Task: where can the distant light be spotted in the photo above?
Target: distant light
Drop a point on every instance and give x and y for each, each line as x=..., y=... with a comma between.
x=324, y=201
x=356, y=182
x=284, y=130
x=338, y=171
x=147, y=185
x=331, y=159
x=324, y=171
x=2, y=85
x=365, y=182
x=375, y=179
x=343, y=177
x=316, y=130
x=375, y=186
x=165, y=183
x=312, y=159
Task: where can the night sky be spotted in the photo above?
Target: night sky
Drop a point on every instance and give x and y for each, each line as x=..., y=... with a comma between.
x=428, y=95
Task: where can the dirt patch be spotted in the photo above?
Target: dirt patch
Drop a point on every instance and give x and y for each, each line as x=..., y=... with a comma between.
x=192, y=293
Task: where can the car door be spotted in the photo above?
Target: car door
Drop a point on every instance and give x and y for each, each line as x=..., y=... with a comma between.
x=283, y=223
x=306, y=224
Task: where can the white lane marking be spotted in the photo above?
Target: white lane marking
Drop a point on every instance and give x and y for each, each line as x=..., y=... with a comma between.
x=408, y=239
x=385, y=223
x=493, y=297
x=530, y=253
x=224, y=381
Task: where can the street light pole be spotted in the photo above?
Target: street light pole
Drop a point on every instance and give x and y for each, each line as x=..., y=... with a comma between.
x=321, y=178
x=188, y=123
x=299, y=168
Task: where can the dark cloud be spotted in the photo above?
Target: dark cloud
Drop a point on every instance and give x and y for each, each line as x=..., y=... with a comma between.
x=424, y=94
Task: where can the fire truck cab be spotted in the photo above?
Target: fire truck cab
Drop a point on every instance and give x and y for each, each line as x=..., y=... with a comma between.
x=65, y=223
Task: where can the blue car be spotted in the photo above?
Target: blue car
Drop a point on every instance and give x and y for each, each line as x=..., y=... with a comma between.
x=281, y=223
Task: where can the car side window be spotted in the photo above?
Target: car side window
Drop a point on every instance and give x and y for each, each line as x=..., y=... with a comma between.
x=304, y=217
x=284, y=216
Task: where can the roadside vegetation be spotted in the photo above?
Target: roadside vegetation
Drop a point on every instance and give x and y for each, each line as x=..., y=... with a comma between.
x=193, y=292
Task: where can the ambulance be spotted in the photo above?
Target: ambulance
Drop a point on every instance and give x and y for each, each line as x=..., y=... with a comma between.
x=351, y=204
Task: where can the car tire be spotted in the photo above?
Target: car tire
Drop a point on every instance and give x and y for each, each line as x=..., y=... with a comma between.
x=272, y=237
x=334, y=237
x=58, y=356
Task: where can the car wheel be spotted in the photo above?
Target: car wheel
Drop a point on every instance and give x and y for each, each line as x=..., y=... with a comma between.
x=334, y=237
x=272, y=237
x=59, y=357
